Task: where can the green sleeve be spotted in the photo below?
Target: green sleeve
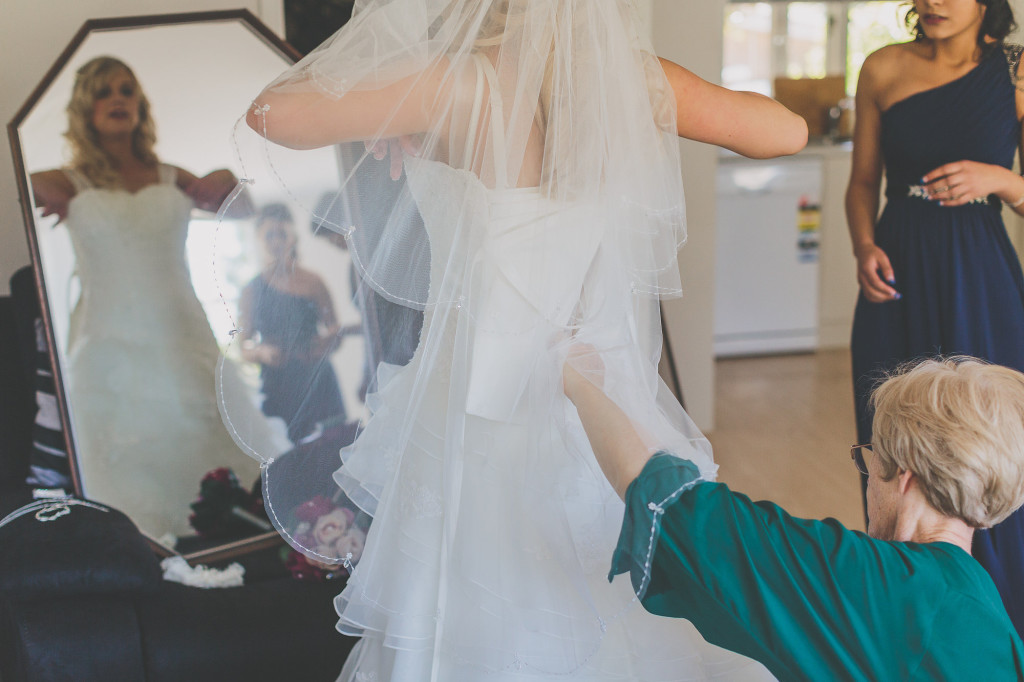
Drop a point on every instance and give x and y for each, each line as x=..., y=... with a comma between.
x=806, y=598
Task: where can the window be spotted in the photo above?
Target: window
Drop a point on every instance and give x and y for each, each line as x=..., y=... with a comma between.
x=747, y=63
x=799, y=39
x=871, y=25
x=806, y=40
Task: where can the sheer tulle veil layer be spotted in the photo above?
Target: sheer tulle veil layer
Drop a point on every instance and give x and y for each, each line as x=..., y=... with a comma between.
x=508, y=185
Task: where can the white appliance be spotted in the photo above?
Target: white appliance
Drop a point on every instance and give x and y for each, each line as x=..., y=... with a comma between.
x=766, y=269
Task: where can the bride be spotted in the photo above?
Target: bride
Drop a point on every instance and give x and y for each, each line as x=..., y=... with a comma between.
x=141, y=354
x=539, y=203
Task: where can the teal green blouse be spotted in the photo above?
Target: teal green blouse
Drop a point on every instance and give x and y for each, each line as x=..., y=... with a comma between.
x=811, y=600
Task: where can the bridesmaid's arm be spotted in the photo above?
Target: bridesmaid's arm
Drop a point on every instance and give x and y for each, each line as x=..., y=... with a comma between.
x=1019, y=208
x=960, y=182
x=956, y=184
x=330, y=337
x=245, y=315
x=862, y=193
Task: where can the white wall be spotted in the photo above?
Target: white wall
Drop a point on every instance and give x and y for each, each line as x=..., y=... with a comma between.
x=33, y=33
x=837, y=286
x=690, y=33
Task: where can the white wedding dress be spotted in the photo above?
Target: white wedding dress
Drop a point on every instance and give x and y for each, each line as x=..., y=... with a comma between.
x=142, y=358
x=493, y=527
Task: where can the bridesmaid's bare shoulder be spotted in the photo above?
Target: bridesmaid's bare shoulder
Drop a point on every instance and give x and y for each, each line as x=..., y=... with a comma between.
x=893, y=72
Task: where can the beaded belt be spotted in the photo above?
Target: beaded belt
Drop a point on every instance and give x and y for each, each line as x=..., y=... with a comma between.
x=921, y=192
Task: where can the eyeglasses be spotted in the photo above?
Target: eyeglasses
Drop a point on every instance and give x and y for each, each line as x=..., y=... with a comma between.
x=860, y=460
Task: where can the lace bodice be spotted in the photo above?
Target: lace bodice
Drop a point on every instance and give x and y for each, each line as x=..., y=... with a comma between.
x=129, y=257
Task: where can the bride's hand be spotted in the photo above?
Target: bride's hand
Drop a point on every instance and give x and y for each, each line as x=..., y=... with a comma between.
x=52, y=193
x=398, y=148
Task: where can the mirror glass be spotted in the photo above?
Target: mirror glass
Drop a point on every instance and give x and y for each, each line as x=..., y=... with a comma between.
x=144, y=289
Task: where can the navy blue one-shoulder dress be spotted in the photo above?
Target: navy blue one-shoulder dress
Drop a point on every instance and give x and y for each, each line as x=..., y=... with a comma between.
x=960, y=280
x=303, y=390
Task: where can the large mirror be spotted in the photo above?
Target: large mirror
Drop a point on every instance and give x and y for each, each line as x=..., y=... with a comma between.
x=138, y=319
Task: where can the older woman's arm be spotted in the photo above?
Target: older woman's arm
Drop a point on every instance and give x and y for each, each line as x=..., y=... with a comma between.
x=619, y=449
x=809, y=599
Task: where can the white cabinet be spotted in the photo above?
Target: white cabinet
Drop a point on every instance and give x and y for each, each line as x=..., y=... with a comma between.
x=767, y=255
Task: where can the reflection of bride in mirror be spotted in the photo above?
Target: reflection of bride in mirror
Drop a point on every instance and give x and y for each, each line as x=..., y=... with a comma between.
x=141, y=356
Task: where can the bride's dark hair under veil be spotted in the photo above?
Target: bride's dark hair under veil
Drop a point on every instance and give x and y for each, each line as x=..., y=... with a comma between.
x=538, y=204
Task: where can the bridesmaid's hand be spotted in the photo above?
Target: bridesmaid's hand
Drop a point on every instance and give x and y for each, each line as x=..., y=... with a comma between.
x=269, y=355
x=875, y=275
x=960, y=182
x=325, y=344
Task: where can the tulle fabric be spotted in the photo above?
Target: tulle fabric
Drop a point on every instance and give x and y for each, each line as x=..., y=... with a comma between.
x=540, y=207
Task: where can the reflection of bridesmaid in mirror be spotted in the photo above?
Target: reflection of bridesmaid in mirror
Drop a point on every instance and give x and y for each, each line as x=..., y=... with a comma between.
x=141, y=356
x=289, y=327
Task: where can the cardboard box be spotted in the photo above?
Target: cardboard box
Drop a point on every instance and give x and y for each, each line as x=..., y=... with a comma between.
x=812, y=98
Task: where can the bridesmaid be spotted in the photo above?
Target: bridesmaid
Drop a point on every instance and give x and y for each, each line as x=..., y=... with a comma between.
x=290, y=329
x=938, y=274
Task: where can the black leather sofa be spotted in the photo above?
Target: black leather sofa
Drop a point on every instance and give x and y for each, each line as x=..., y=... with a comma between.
x=82, y=598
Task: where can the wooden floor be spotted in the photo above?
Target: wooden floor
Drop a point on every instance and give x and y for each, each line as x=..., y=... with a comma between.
x=783, y=430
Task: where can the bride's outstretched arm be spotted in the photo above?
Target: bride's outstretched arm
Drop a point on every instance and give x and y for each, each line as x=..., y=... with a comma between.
x=52, y=191
x=744, y=122
x=301, y=116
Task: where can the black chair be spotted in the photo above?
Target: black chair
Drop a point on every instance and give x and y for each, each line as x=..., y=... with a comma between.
x=82, y=597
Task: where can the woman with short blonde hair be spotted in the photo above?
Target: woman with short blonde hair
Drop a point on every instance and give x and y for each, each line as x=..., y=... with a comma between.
x=813, y=600
x=972, y=466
